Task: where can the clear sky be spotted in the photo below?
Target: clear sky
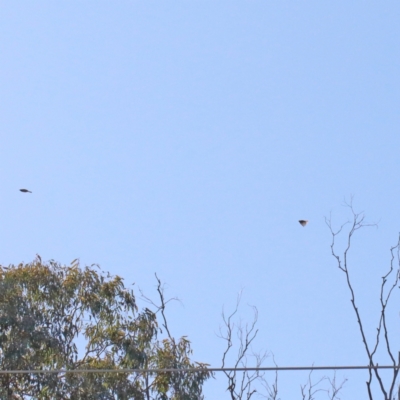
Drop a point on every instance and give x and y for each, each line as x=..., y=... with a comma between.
x=187, y=138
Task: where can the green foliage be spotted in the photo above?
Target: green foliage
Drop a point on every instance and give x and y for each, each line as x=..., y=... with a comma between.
x=43, y=310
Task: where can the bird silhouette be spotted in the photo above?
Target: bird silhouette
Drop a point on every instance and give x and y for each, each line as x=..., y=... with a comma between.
x=303, y=222
x=25, y=191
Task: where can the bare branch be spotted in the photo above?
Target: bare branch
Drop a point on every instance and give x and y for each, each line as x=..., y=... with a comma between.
x=241, y=384
x=309, y=390
x=358, y=222
x=163, y=303
x=272, y=390
x=335, y=388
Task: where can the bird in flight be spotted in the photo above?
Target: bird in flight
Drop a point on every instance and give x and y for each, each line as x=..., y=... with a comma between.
x=303, y=222
x=25, y=191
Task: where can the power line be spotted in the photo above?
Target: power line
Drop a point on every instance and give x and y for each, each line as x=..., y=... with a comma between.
x=199, y=369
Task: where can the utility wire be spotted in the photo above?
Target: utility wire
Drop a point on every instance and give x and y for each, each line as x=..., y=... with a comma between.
x=199, y=369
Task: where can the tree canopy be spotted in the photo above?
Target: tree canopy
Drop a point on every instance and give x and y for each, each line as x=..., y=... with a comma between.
x=47, y=310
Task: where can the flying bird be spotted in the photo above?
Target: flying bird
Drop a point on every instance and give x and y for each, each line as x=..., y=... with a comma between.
x=303, y=222
x=25, y=191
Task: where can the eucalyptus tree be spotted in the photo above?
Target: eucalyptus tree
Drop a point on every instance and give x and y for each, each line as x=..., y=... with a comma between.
x=48, y=310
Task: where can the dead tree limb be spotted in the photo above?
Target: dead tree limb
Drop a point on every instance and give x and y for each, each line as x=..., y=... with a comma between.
x=241, y=384
x=357, y=222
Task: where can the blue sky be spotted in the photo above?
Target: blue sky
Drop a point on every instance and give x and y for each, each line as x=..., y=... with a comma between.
x=188, y=138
